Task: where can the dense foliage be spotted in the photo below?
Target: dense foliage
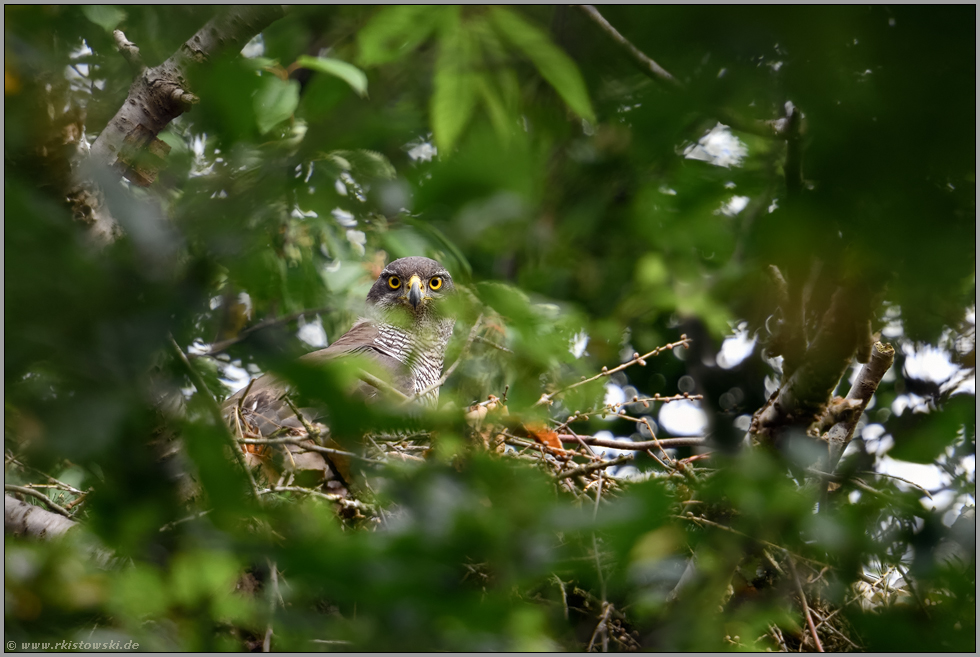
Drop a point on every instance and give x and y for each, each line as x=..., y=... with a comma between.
x=589, y=209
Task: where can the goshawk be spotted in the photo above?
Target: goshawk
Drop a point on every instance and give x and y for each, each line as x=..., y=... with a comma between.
x=405, y=331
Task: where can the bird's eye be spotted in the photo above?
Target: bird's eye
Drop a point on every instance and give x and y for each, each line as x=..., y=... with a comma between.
x=435, y=283
x=394, y=282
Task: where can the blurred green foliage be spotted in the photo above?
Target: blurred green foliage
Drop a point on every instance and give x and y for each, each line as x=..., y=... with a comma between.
x=567, y=192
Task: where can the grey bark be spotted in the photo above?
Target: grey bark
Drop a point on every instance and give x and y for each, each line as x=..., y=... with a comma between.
x=23, y=519
x=128, y=144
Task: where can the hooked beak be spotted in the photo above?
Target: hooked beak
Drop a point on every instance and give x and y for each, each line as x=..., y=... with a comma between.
x=416, y=292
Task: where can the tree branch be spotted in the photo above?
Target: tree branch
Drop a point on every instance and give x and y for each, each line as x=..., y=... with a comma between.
x=330, y=497
x=636, y=359
x=216, y=413
x=781, y=128
x=592, y=467
x=306, y=444
x=129, y=51
x=159, y=95
x=840, y=434
x=806, y=607
x=793, y=166
x=23, y=519
x=631, y=446
x=57, y=508
x=218, y=347
x=650, y=67
x=804, y=396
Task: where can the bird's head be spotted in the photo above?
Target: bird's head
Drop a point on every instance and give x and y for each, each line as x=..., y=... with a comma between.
x=415, y=284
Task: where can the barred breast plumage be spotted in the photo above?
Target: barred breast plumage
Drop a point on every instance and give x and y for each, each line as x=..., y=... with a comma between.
x=404, y=331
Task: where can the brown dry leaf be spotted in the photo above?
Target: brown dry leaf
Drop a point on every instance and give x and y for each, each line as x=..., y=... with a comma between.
x=544, y=435
x=257, y=450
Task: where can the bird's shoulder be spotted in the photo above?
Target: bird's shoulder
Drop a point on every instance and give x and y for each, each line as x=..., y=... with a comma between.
x=360, y=339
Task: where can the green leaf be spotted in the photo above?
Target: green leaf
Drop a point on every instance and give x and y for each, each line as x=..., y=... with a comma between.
x=495, y=107
x=139, y=592
x=106, y=16
x=349, y=73
x=923, y=437
x=275, y=102
x=554, y=65
x=362, y=162
x=396, y=31
x=455, y=82
x=259, y=63
x=499, y=99
x=372, y=164
x=174, y=141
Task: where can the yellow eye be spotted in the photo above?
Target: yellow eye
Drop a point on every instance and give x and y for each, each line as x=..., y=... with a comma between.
x=435, y=283
x=394, y=282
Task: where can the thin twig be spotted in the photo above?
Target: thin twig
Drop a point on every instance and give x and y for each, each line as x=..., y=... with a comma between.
x=657, y=459
x=310, y=430
x=57, y=508
x=854, y=480
x=171, y=525
x=598, y=566
x=777, y=634
x=702, y=520
x=10, y=458
x=806, y=607
x=600, y=627
x=331, y=497
x=636, y=359
x=59, y=486
x=223, y=345
x=793, y=165
x=215, y=410
x=267, y=641
x=891, y=476
x=823, y=622
x=244, y=395
x=598, y=496
x=649, y=66
x=592, y=467
x=613, y=408
x=493, y=344
x=370, y=379
x=908, y=580
x=564, y=595
x=78, y=500
x=772, y=562
x=302, y=442
x=693, y=441
x=541, y=447
x=773, y=128
x=273, y=595
x=657, y=442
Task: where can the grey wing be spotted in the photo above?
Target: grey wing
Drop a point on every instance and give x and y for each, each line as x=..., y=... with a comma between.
x=360, y=339
x=266, y=409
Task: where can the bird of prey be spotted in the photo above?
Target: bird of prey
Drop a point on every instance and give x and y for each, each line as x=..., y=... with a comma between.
x=405, y=331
